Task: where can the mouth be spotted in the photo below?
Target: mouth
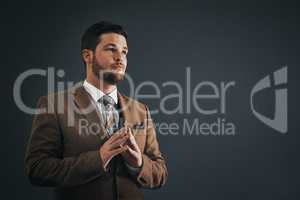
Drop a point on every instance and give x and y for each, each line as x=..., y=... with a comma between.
x=117, y=67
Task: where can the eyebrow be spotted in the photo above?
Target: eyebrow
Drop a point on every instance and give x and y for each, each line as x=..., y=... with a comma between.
x=112, y=44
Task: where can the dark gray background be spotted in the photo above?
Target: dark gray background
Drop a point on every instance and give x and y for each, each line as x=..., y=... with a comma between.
x=240, y=41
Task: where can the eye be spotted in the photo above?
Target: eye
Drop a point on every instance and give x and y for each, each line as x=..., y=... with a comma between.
x=124, y=52
x=111, y=49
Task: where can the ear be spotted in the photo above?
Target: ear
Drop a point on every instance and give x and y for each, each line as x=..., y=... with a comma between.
x=87, y=56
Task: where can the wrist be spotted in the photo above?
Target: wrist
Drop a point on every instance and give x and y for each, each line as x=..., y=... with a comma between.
x=103, y=161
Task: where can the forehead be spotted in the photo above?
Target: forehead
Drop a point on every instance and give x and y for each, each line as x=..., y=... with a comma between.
x=113, y=38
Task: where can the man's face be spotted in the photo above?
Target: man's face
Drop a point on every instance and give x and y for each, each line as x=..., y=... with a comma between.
x=110, y=58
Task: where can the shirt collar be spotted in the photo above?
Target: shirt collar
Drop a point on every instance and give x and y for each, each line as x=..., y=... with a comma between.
x=97, y=94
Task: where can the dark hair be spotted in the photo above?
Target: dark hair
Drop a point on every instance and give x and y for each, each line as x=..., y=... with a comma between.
x=91, y=36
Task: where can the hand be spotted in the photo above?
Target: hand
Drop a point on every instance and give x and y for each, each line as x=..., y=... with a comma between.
x=132, y=154
x=113, y=146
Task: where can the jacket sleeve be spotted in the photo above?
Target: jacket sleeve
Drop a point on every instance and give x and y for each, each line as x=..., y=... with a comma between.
x=44, y=163
x=153, y=173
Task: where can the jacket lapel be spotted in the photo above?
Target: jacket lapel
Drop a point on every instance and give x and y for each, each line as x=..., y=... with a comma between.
x=127, y=110
x=88, y=108
x=132, y=119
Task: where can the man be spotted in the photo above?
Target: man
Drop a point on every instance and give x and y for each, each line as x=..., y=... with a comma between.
x=90, y=141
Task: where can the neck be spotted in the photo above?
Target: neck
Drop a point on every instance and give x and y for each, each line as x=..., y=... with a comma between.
x=100, y=84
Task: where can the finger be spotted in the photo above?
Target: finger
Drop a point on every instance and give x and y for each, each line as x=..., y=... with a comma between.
x=118, y=151
x=117, y=135
x=132, y=141
x=130, y=151
x=118, y=142
x=131, y=134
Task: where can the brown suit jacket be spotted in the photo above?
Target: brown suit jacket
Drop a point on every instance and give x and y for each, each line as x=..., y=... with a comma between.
x=63, y=149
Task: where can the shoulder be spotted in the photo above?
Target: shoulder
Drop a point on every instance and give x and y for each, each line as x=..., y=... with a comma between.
x=53, y=98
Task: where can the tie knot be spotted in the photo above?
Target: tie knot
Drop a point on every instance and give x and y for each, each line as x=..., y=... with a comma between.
x=107, y=100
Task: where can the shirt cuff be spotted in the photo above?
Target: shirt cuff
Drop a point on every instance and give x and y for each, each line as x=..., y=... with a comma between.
x=133, y=170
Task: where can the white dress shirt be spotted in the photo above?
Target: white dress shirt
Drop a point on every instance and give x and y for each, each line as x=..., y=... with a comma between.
x=97, y=94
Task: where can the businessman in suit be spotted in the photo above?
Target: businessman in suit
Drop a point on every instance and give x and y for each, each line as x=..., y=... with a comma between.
x=90, y=141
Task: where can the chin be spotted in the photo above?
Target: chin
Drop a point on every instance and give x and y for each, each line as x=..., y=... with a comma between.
x=113, y=78
x=119, y=71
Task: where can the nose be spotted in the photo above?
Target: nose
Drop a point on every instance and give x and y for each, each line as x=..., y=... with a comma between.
x=117, y=56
